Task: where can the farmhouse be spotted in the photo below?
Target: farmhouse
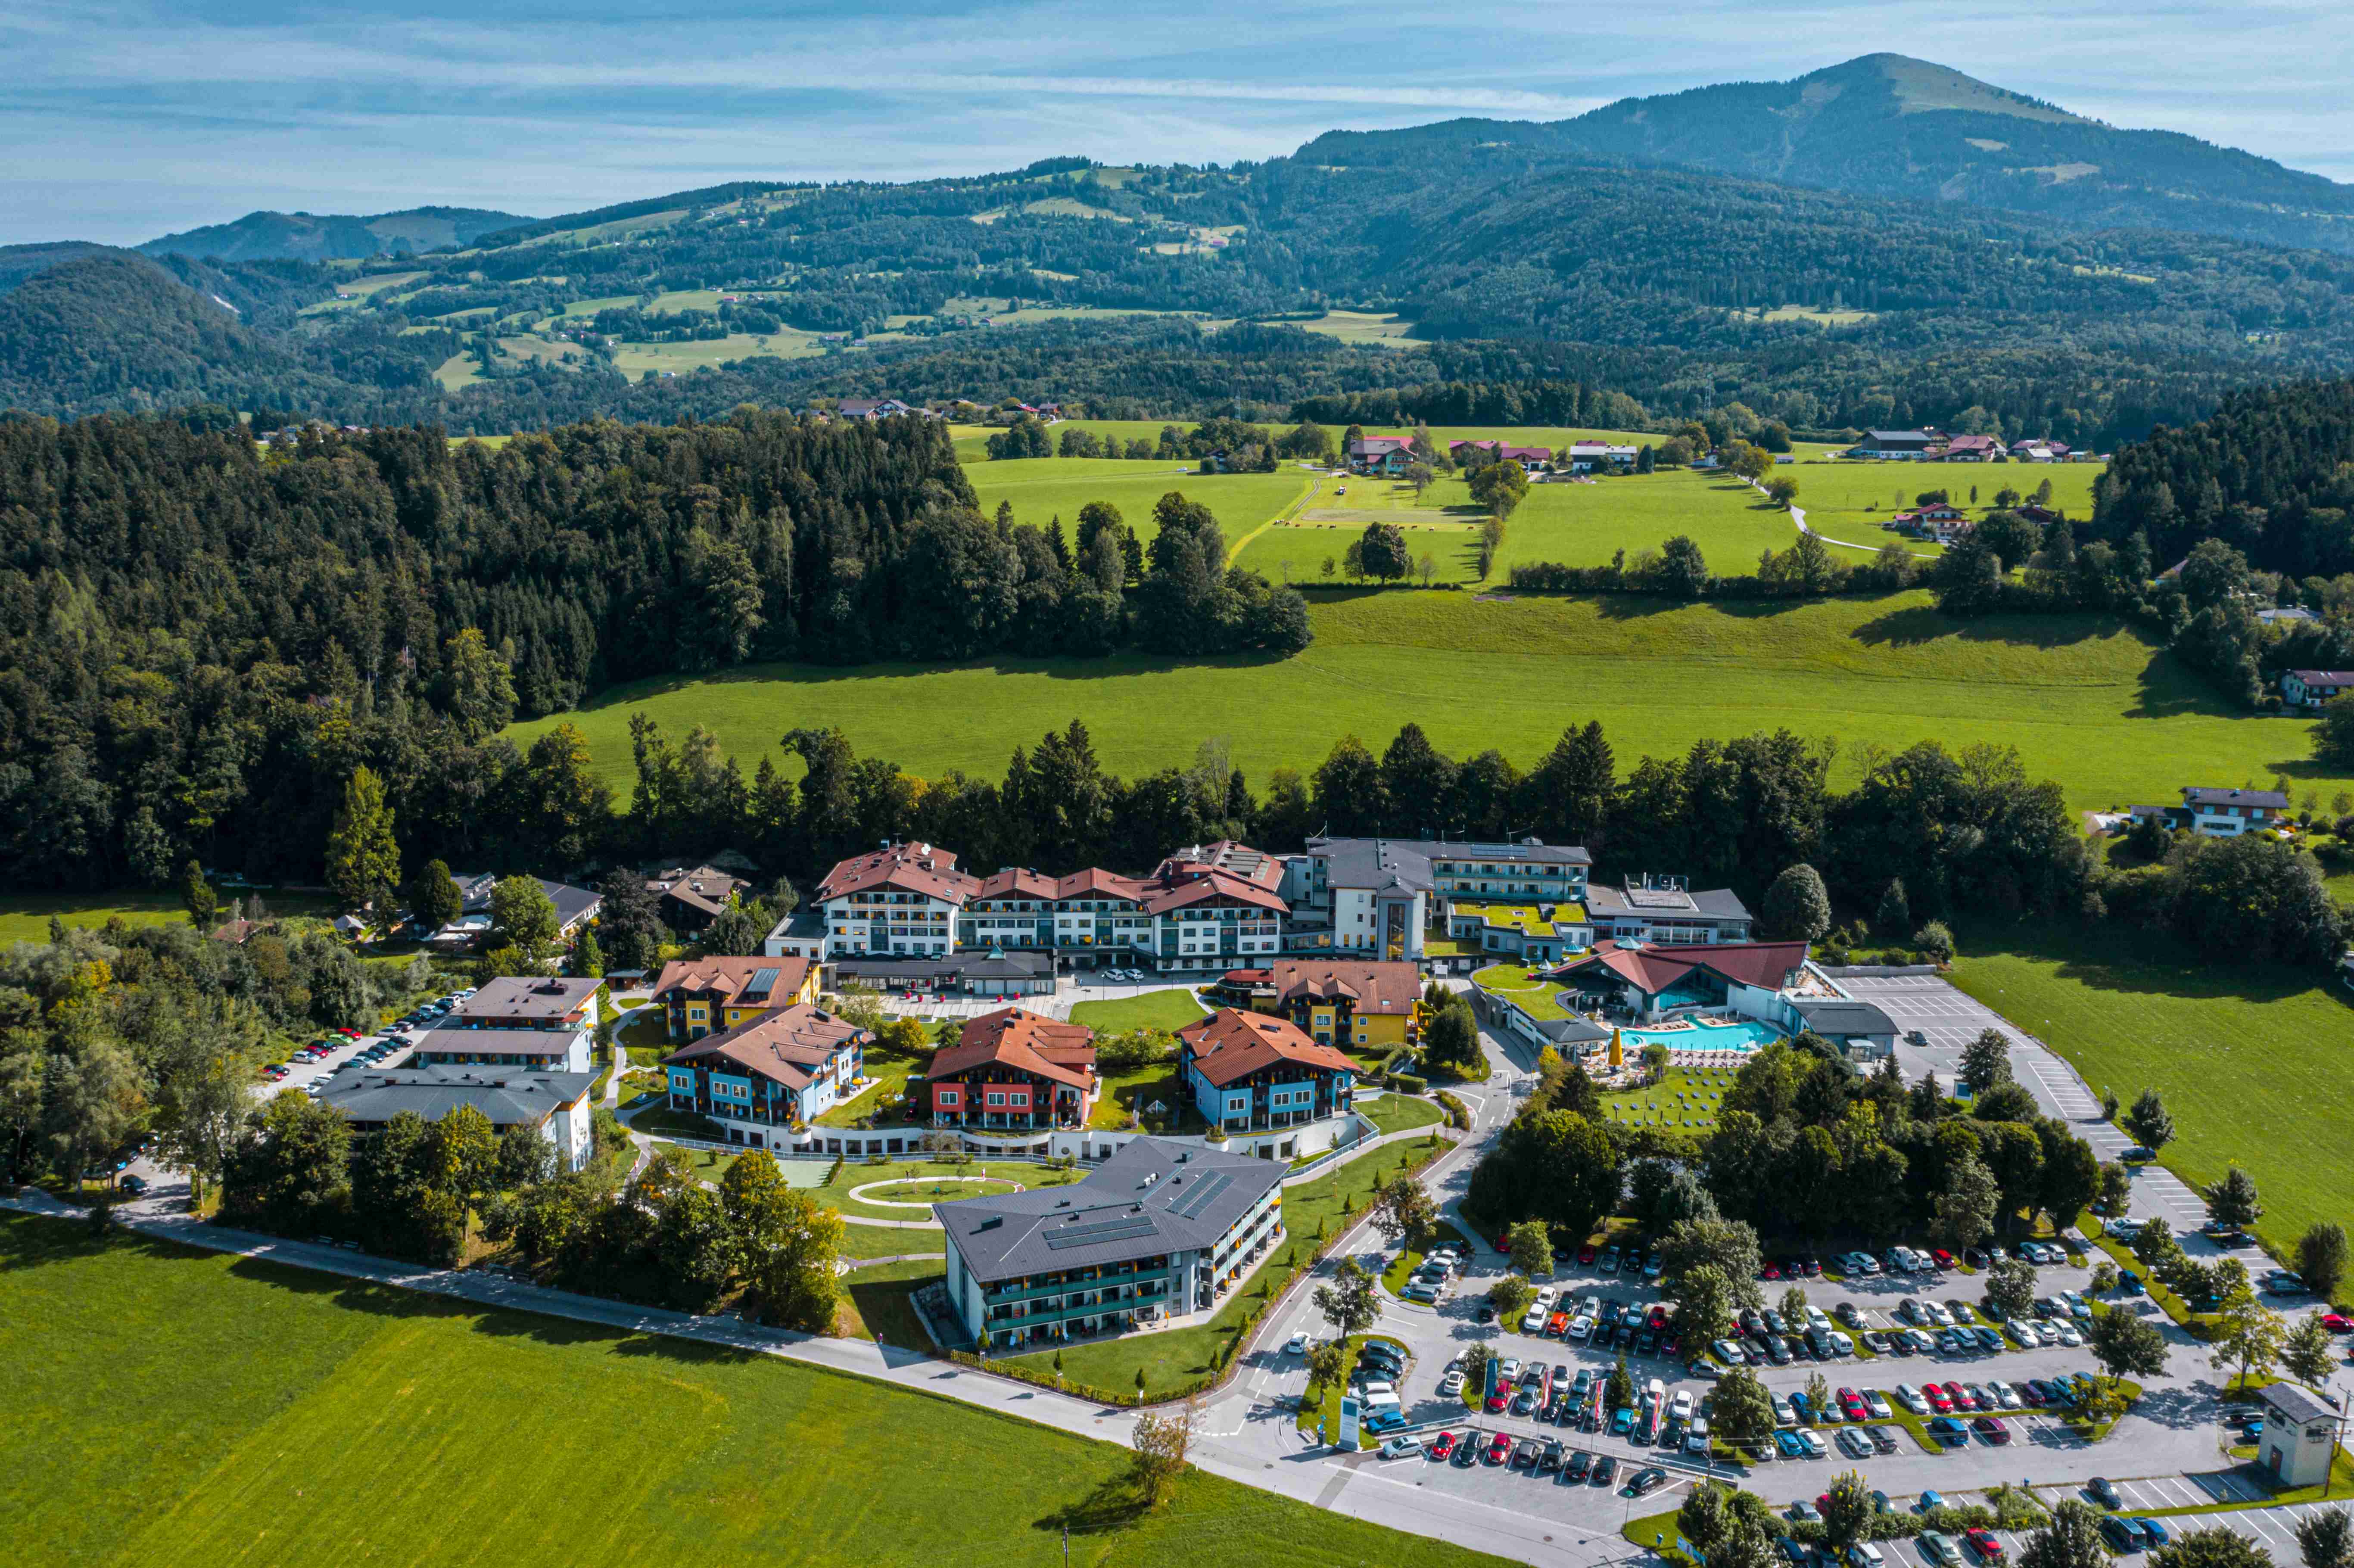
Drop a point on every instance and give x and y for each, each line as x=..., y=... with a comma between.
x=691, y=897
x=1590, y=457
x=1248, y=1072
x=871, y=408
x=1161, y=1229
x=1381, y=454
x=2311, y=688
x=1014, y=1069
x=702, y=996
x=554, y=1103
x=782, y=1070
x=1972, y=448
x=1472, y=454
x=1905, y=446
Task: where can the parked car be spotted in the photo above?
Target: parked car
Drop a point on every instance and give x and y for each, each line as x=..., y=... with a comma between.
x=1579, y=1463
x=1500, y=1448
x=1606, y=1470
x=1937, y=1548
x=1399, y=1448
x=2122, y=1534
x=2103, y=1492
x=1983, y=1543
x=1647, y=1481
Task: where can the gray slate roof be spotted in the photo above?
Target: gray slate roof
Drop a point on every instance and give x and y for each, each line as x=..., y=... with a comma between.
x=510, y=1098
x=551, y=997
x=2299, y=1407
x=1833, y=1019
x=1713, y=903
x=1571, y=1030
x=1405, y=864
x=1155, y=1196
x=971, y=964
x=2272, y=798
x=451, y=1040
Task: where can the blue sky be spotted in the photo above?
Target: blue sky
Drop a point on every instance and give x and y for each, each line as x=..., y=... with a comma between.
x=126, y=121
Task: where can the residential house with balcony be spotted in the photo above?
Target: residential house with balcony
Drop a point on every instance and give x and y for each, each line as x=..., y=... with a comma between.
x=1159, y=1231
x=1248, y=1072
x=2312, y=688
x=762, y=1079
x=1662, y=909
x=704, y=996
x=2220, y=813
x=1367, y=1004
x=1203, y=908
x=899, y=900
x=1013, y=1068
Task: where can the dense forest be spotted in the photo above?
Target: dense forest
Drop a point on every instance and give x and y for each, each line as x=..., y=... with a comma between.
x=200, y=642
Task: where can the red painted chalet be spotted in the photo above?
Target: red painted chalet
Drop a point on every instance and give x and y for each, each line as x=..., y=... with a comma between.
x=1014, y=1069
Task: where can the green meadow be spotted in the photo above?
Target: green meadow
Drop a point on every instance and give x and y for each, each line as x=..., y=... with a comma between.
x=1042, y=489
x=1851, y=501
x=168, y=1406
x=2256, y=1063
x=2089, y=702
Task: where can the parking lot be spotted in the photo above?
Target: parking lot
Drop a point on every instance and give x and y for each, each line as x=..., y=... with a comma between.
x=1949, y=1019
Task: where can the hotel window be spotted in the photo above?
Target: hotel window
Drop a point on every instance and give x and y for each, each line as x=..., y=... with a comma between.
x=995, y=1098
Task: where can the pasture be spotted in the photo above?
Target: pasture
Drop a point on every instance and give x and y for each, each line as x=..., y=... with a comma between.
x=1849, y=501
x=175, y=1406
x=2256, y=1064
x=2088, y=702
x=1042, y=489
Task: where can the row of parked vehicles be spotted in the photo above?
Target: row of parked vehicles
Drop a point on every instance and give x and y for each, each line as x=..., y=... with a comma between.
x=1539, y=1457
x=1436, y=1275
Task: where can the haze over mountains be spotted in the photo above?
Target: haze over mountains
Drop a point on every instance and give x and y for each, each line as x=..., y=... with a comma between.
x=1882, y=239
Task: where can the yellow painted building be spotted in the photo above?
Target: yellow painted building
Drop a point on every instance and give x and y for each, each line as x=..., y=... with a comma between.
x=710, y=996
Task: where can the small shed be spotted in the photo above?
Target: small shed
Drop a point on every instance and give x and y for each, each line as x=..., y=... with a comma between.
x=2300, y=1435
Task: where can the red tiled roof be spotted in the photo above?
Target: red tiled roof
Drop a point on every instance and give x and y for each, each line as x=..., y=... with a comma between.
x=1200, y=886
x=1231, y=1044
x=1016, y=1037
x=783, y=1045
x=728, y=976
x=1765, y=964
x=911, y=868
x=1368, y=985
x=1015, y=881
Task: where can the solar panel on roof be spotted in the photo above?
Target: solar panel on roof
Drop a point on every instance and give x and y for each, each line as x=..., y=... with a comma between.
x=1191, y=1206
x=763, y=982
x=1120, y=1229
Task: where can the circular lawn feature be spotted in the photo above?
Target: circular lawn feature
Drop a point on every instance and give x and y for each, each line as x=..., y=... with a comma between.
x=923, y=1192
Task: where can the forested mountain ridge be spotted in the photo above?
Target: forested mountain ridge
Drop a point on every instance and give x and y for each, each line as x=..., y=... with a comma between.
x=1517, y=252
x=1886, y=124
x=313, y=237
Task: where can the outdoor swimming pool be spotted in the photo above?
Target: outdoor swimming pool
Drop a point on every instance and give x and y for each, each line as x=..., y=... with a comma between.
x=1740, y=1035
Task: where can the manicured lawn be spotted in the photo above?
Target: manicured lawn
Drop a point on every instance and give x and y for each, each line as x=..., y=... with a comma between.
x=1511, y=981
x=1134, y=1092
x=1400, y=1113
x=900, y=1173
x=2088, y=703
x=875, y=1305
x=1683, y=1100
x=168, y=1406
x=885, y=1101
x=2256, y=1064
x=1174, y=1357
x=1170, y=1010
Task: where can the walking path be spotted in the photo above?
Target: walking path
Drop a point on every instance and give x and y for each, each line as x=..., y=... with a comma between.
x=1315, y=484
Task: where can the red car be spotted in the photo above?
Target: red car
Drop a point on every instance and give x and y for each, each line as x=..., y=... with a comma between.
x=1657, y=1318
x=1960, y=1397
x=1852, y=1406
x=1944, y=1259
x=1442, y=1446
x=1991, y=1428
x=1498, y=1400
x=1939, y=1400
x=1983, y=1543
x=1585, y=1254
x=1500, y=1448
x=1772, y=1271
x=2337, y=1322
x=349, y=1033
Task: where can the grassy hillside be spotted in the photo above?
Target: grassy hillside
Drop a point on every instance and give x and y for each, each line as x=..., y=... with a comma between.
x=2255, y=1064
x=2087, y=702
x=171, y=1407
x=1042, y=489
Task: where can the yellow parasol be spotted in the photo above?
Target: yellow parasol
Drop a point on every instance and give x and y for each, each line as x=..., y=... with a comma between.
x=1617, y=1051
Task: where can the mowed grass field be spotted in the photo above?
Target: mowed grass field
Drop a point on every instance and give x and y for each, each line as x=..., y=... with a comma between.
x=1849, y=501
x=169, y=1407
x=1042, y=489
x=24, y=917
x=1577, y=525
x=2256, y=1064
x=2089, y=703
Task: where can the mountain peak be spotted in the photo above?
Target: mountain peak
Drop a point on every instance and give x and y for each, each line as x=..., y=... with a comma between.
x=1922, y=87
